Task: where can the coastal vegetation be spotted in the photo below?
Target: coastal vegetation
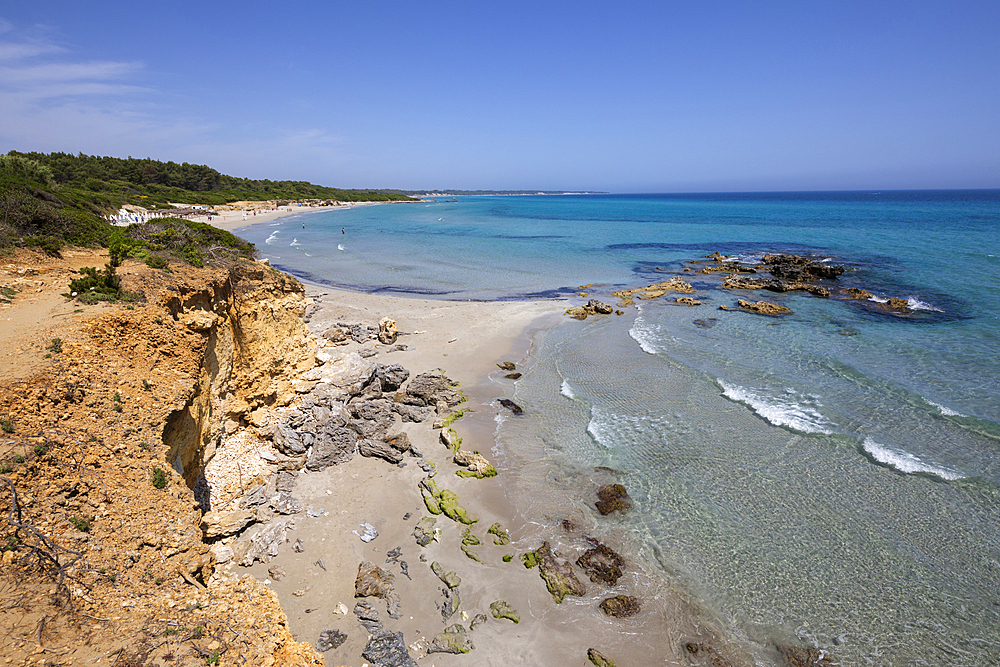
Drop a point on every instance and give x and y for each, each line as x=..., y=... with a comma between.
x=51, y=200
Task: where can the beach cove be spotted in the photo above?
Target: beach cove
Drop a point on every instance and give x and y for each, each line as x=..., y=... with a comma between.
x=697, y=534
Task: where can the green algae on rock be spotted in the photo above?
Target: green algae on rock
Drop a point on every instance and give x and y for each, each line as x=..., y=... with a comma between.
x=599, y=658
x=425, y=532
x=529, y=559
x=443, y=502
x=500, y=536
x=450, y=579
x=501, y=609
x=454, y=639
x=558, y=575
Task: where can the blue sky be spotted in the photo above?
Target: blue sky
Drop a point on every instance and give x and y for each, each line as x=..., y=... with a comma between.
x=641, y=97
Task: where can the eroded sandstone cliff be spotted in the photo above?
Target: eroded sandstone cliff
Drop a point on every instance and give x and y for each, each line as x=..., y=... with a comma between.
x=103, y=553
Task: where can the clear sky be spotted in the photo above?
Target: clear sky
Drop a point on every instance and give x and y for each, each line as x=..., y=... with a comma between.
x=626, y=97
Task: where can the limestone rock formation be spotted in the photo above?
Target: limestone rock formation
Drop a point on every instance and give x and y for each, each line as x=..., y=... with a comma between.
x=454, y=639
x=376, y=582
x=558, y=575
x=387, y=331
x=501, y=609
x=220, y=524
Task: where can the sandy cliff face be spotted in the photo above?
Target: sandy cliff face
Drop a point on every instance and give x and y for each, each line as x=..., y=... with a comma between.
x=97, y=559
x=255, y=346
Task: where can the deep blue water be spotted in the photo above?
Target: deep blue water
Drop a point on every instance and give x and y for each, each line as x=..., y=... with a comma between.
x=827, y=478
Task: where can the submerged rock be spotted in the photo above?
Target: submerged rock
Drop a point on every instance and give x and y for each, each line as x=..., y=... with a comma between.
x=330, y=639
x=613, y=497
x=558, y=575
x=501, y=609
x=602, y=565
x=807, y=657
x=512, y=406
x=621, y=606
x=454, y=639
x=687, y=301
x=506, y=366
x=708, y=652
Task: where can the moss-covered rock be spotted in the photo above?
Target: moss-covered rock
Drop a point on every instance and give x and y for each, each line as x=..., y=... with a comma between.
x=599, y=658
x=529, y=559
x=454, y=639
x=450, y=579
x=500, y=536
x=448, y=501
x=508, y=558
x=500, y=609
x=558, y=575
x=472, y=554
x=425, y=531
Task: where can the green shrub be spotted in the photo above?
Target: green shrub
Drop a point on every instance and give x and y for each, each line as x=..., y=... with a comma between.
x=50, y=245
x=6, y=468
x=7, y=425
x=80, y=524
x=156, y=262
x=18, y=458
x=55, y=346
x=159, y=478
x=39, y=449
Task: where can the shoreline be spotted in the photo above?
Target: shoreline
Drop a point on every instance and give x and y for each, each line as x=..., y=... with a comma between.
x=232, y=220
x=315, y=582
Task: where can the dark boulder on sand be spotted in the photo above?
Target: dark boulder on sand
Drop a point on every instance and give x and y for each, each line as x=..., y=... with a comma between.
x=512, y=406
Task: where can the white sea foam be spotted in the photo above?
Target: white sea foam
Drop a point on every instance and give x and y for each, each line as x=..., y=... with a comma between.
x=340, y=246
x=794, y=410
x=566, y=390
x=295, y=242
x=947, y=412
x=643, y=333
x=904, y=461
x=912, y=302
x=272, y=238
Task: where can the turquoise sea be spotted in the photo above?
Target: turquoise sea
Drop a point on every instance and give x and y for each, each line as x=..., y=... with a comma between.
x=830, y=478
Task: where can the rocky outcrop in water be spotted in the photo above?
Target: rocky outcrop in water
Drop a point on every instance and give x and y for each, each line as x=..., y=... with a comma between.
x=613, y=498
x=806, y=657
x=602, y=564
x=760, y=307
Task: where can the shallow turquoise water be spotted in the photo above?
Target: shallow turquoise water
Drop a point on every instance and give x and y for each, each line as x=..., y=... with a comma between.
x=830, y=478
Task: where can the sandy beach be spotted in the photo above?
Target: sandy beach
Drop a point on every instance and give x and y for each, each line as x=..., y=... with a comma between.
x=230, y=220
x=315, y=582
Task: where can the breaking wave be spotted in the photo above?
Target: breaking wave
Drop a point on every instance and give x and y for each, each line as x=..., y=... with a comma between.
x=794, y=410
x=904, y=461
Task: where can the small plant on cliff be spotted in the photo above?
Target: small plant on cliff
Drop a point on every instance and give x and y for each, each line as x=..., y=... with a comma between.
x=117, y=397
x=18, y=458
x=117, y=407
x=159, y=478
x=7, y=425
x=80, y=524
x=214, y=658
x=147, y=385
x=55, y=346
x=39, y=449
x=6, y=468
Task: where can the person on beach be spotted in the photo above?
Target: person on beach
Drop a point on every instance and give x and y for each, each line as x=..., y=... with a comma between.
x=342, y=231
